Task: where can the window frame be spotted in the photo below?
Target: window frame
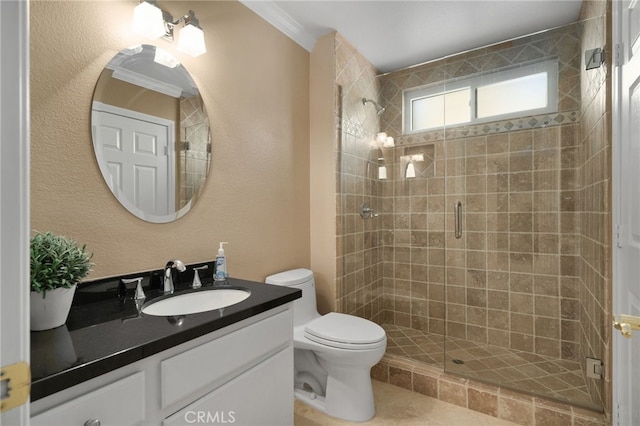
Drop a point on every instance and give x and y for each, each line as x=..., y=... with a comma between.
x=550, y=66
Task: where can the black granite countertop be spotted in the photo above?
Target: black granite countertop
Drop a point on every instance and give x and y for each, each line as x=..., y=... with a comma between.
x=105, y=330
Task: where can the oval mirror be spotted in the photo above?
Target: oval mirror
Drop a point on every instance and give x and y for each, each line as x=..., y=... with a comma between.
x=151, y=133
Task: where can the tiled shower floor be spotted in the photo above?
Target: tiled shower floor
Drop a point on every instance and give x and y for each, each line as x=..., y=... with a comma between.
x=540, y=375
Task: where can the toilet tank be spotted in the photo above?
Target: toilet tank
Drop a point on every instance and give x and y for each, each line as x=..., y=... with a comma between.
x=304, y=309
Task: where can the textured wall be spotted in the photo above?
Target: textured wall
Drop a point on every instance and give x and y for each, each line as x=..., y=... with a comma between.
x=255, y=85
x=322, y=141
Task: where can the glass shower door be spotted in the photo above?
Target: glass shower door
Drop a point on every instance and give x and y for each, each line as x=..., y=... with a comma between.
x=516, y=300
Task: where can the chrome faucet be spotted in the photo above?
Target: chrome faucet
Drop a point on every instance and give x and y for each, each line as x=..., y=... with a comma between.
x=168, y=278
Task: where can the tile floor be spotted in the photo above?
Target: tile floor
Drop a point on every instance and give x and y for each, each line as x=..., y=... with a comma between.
x=397, y=406
x=541, y=375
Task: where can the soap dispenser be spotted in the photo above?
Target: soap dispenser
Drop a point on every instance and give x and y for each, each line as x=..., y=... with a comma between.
x=221, y=265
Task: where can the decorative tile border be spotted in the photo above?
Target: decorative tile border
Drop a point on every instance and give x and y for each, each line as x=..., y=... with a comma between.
x=524, y=123
x=352, y=128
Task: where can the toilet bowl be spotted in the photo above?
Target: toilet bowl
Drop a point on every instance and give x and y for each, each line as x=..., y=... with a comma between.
x=333, y=353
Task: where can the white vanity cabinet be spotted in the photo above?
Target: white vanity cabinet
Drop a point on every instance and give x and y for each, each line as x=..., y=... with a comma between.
x=241, y=374
x=253, y=398
x=118, y=403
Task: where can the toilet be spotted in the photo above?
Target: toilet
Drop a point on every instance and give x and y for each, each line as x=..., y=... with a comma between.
x=333, y=353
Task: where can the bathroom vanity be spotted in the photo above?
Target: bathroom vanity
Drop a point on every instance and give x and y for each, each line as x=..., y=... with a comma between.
x=231, y=365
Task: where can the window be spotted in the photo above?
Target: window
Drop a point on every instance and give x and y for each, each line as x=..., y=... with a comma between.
x=448, y=107
x=516, y=92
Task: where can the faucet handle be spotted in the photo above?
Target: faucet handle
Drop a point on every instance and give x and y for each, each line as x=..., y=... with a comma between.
x=139, y=292
x=196, y=277
x=168, y=278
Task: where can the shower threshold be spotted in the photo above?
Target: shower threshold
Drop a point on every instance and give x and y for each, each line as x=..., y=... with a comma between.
x=540, y=375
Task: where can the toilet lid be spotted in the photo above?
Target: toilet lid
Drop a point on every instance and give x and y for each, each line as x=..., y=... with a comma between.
x=345, y=330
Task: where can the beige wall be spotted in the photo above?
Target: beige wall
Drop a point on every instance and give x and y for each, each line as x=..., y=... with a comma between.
x=323, y=174
x=255, y=85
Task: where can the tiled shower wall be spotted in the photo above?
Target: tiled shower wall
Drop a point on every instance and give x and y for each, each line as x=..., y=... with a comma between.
x=359, y=262
x=593, y=202
x=531, y=271
x=512, y=279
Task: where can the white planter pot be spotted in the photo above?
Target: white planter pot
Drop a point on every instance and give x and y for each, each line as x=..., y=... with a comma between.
x=51, y=311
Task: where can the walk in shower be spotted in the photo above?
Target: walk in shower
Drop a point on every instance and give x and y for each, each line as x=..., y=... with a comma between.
x=480, y=246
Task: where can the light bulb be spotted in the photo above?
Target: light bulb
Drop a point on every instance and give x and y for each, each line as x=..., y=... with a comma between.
x=389, y=142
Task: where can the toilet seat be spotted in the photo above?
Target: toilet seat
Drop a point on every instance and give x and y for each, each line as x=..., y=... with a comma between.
x=345, y=332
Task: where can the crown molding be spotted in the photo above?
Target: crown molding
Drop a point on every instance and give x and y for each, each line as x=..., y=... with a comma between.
x=281, y=20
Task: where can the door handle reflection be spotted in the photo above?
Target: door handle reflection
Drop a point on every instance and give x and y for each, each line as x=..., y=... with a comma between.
x=458, y=219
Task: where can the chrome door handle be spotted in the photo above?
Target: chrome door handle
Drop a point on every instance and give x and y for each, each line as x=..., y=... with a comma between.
x=458, y=219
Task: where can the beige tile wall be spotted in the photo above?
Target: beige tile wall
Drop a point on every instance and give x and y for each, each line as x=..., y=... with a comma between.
x=593, y=202
x=530, y=272
x=359, y=262
x=512, y=279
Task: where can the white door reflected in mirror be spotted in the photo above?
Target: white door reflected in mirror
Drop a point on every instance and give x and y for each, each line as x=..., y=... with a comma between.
x=151, y=134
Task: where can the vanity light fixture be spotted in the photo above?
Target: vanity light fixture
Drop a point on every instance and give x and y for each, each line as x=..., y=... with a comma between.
x=147, y=20
x=152, y=22
x=191, y=39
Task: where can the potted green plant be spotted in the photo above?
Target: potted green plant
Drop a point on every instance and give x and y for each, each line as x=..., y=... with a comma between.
x=58, y=264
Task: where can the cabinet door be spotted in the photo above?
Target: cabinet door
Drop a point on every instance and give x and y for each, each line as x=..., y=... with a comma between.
x=212, y=363
x=263, y=396
x=120, y=403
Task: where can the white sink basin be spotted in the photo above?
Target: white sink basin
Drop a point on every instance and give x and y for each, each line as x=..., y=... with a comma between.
x=199, y=301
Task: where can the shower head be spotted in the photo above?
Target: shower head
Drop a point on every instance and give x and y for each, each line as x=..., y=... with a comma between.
x=379, y=109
